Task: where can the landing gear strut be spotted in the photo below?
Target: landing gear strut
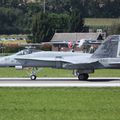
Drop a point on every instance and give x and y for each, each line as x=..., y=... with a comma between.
x=35, y=70
x=33, y=73
x=83, y=76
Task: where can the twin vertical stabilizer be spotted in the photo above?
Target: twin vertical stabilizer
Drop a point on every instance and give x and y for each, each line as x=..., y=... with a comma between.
x=109, y=49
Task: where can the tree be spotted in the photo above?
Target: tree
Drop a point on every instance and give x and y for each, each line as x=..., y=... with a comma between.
x=14, y=21
x=40, y=27
x=76, y=23
x=45, y=25
x=8, y=20
x=114, y=29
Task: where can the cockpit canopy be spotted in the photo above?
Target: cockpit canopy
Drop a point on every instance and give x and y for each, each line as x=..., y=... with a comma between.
x=26, y=51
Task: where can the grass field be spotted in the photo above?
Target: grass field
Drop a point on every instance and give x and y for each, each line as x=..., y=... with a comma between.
x=101, y=21
x=48, y=72
x=59, y=103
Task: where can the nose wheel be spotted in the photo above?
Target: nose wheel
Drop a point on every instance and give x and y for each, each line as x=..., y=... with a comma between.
x=34, y=72
x=33, y=77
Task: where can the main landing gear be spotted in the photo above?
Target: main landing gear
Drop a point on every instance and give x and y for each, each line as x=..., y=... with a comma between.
x=83, y=76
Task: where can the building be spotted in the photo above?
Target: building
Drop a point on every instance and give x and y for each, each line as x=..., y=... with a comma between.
x=73, y=37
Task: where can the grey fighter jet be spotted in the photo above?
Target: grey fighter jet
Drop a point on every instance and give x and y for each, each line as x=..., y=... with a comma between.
x=107, y=56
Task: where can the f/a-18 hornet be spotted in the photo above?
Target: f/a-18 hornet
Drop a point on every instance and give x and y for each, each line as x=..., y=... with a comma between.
x=107, y=56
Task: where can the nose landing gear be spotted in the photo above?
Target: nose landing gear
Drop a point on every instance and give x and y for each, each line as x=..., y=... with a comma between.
x=34, y=72
x=33, y=77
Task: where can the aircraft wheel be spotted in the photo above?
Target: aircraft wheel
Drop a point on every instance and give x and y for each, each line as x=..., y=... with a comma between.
x=33, y=77
x=83, y=76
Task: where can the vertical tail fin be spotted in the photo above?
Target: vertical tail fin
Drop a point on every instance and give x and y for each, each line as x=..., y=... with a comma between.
x=109, y=49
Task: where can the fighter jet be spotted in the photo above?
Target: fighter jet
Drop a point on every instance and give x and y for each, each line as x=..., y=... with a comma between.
x=107, y=56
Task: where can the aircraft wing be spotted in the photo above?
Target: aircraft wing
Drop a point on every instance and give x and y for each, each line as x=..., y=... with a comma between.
x=69, y=59
x=82, y=63
x=68, y=62
x=114, y=63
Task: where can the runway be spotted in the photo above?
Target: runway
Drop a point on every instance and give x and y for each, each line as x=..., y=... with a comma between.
x=60, y=82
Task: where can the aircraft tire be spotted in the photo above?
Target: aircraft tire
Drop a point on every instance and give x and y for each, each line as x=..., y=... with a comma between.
x=83, y=76
x=33, y=77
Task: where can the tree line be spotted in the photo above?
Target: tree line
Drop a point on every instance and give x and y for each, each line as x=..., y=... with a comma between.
x=19, y=16
x=89, y=8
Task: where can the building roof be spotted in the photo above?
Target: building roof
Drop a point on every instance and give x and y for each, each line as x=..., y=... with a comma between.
x=75, y=36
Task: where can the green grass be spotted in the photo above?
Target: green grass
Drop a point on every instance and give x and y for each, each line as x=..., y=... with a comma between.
x=48, y=72
x=59, y=103
x=101, y=21
x=106, y=73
